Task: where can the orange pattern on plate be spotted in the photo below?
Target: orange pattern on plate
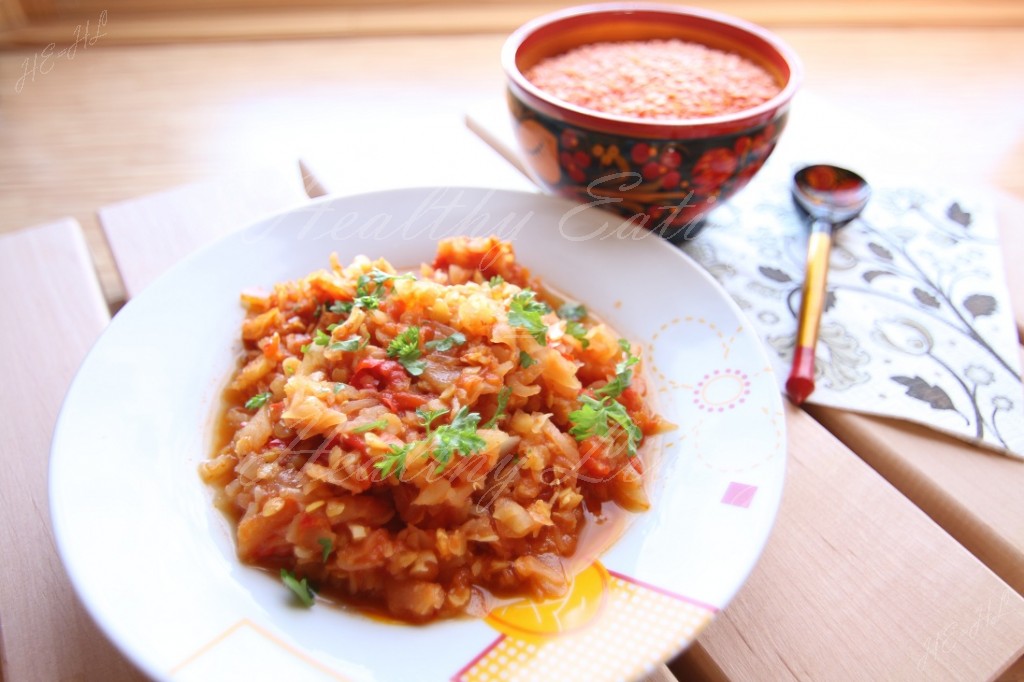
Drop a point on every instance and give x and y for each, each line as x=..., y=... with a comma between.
x=607, y=627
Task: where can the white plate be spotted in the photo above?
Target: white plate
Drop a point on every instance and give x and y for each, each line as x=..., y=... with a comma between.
x=155, y=563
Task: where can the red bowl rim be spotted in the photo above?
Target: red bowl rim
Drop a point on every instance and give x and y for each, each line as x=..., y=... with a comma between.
x=649, y=128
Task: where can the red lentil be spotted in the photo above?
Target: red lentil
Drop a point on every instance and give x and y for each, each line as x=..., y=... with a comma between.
x=656, y=79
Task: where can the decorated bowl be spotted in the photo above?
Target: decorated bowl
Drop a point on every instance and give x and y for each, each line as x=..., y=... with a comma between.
x=660, y=171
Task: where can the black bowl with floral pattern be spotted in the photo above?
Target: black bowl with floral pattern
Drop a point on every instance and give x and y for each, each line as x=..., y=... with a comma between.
x=663, y=174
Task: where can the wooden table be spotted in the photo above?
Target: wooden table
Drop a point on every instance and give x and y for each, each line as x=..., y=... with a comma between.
x=897, y=554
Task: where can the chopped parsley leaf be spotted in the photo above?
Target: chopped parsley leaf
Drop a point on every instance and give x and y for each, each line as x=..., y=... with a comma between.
x=578, y=332
x=258, y=400
x=320, y=338
x=574, y=312
x=445, y=441
x=428, y=417
x=338, y=387
x=369, y=301
x=378, y=276
x=304, y=348
x=328, y=546
x=496, y=280
x=364, y=298
x=371, y=426
x=415, y=367
x=596, y=416
x=447, y=343
x=525, y=360
x=393, y=460
x=406, y=347
x=499, y=412
x=623, y=373
x=459, y=436
x=299, y=587
x=341, y=307
x=525, y=312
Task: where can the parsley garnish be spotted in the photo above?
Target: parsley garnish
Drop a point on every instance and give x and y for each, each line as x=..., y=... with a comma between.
x=352, y=343
x=338, y=386
x=320, y=338
x=393, y=460
x=328, y=546
x=525, y=312
x=428, y=417
x=365, y=298
x=299, y=587
x=371, y=300
x=406, y=347
x=596, y=416
x=459, y=436
x=525, y=360
x=578, y=332
x=499, y=412
x=304, y=348
x=623, y=373
x=341, y=307
x=258, y=400
x=363, y=428
x=445, y=441
x=495, y=281
x=447, y=343
x=574, y=312
x=378, y=276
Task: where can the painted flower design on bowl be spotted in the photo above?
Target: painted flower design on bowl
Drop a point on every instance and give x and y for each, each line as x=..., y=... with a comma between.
x=664, y=185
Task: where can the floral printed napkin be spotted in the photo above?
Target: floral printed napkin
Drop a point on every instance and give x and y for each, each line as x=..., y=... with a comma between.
x=917, y=323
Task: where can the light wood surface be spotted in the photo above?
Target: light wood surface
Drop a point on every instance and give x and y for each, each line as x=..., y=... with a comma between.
x=149, y=235
x=44, y=633
x=445, y=156
x=857, y=584
x=972, y=493
x=144, y=21
x=116, y=123
x=868, y=581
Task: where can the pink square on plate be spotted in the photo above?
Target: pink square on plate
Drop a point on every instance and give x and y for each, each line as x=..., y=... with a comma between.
x=739, y=494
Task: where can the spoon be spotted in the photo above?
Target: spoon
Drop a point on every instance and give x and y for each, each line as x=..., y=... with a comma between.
x=832, y=196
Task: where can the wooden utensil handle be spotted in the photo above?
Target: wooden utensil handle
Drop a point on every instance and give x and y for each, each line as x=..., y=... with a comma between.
x=801, y=377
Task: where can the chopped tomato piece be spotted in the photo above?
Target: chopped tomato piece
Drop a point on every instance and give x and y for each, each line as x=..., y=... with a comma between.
x=639, y=412
x=354, y=442
x=401, y=400
x=594, y=458
x=379, y=374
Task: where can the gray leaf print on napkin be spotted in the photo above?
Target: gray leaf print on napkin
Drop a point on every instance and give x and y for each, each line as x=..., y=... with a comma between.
x=958, y=215
x=919, y=389
x=979, y=305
